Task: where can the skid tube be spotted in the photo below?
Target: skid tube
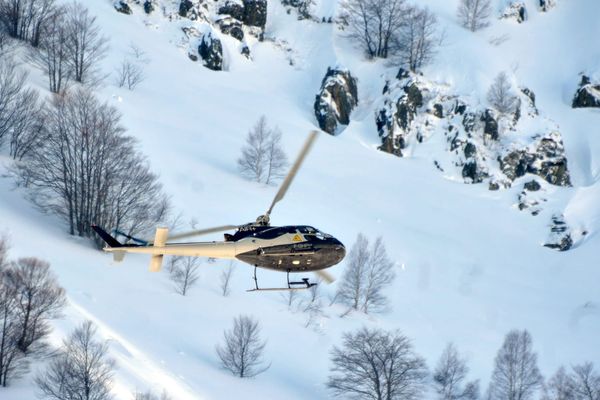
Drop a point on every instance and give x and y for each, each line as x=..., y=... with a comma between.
x=298, y=285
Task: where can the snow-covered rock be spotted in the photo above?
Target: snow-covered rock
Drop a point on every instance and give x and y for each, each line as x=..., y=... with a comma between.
x=255, y=13
x=516, y=10
x=232, y=27
x=560, y=234
x=546, y=5
x=211, y=52
x=148, y=6
x=588, y=94
x=233, y=8
x=336, y=99
x=123, y=7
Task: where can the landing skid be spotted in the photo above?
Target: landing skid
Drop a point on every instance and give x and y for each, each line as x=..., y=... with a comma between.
x=298, y=285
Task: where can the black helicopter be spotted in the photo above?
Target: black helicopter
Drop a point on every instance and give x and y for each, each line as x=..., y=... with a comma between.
x=290, y=249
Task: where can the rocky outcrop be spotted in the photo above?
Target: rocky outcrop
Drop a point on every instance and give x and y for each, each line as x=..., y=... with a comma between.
x=588, y=94
x=211, y=52
x=233, y=8
x=560, y=234
x=336, y=99
x=231, y=26
x=485, y=145
x=122, y=7
x=516, y=10
x=545, y=158
x=302, y=6
x=148, y=6
x=185, y=7
x=255, y=13
x=546, y=5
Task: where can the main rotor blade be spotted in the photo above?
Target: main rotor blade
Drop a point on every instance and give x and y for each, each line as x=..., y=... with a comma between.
x=290, y=176
x=326, y=276
x=202, y=232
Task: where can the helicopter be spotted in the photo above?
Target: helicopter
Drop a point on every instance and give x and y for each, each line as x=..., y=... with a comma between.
x=289, y=249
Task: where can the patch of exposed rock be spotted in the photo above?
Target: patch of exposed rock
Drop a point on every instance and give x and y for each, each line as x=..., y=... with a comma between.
x=336, y=99
x=588, y=94
x=211, y=52
x=515, y=10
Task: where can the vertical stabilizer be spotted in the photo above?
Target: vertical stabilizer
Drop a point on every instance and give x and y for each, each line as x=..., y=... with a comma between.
x=159, y=241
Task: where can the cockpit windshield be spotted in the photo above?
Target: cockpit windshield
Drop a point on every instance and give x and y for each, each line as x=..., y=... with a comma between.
x=310, y=231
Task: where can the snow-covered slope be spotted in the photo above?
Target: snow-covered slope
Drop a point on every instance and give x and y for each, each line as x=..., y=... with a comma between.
x=470, y=265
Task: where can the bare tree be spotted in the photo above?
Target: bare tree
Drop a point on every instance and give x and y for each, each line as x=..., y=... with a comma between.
x=7, y=44
x=52, y=54
x=39, y=298
x=560, y=387
x=225, y=279
x=86, y=47
x=263, y=159
x=474, y=14
x=351, y=287
x=4, y=247
x=500, y=95
x=243, y=350
x=19, y=105
x=87, y=171
x=81, y=370
x=374, y=23
x=417, y=38
x=586, y=382
x=26, y=19
x=516, y=375
x=367, y=274
x=312, y=305
x=374, y=364
x=379, y=275
x=129, y=74
x=13, y=363
x=183, y=272
x=449, y=376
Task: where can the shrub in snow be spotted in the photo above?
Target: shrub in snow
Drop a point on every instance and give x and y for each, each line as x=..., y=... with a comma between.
x=588, y=94
x=336, y=100
x=375, y=364
x=242, y=352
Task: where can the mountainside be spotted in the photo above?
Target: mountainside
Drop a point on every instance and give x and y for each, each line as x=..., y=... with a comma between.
x=470, y=261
